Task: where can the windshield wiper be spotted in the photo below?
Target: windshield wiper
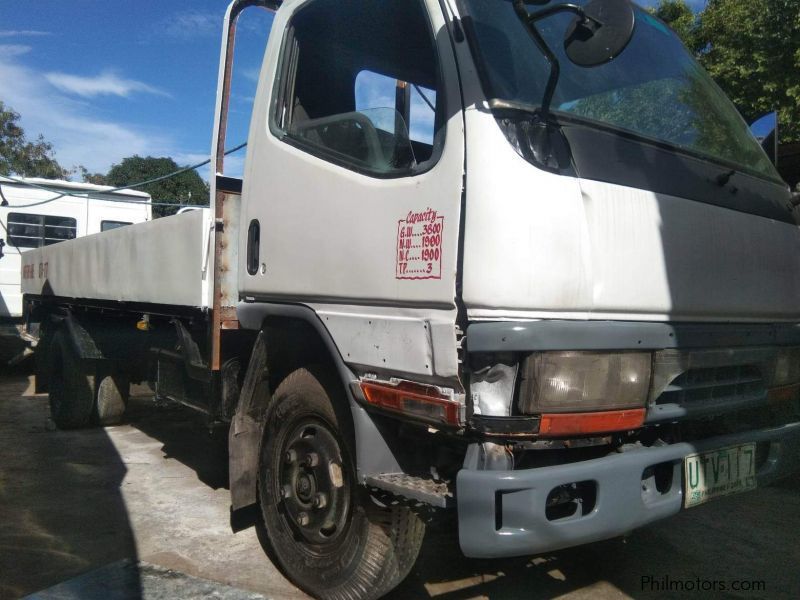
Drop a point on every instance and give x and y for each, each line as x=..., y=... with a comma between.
x=588, y=41
x=529, y=20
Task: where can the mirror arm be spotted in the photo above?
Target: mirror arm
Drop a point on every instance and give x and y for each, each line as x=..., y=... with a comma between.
x=519, y=5
x=529, y=20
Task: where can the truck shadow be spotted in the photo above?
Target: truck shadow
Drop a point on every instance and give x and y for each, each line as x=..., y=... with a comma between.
x=62, y=510
x=184, y=435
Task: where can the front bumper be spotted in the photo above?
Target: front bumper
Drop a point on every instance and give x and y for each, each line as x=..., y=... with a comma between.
x=502, y=513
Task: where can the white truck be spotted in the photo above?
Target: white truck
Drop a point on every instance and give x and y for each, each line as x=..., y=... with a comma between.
x=561, y=304
x=30, y=217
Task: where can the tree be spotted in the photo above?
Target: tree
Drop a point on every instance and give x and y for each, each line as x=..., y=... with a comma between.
x=95, y=178
x=186, y=188
x=20, y=156
x=678, y=15
x=752, y=49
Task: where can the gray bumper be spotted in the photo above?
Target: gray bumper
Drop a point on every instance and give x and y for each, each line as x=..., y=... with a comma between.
x=502, y=513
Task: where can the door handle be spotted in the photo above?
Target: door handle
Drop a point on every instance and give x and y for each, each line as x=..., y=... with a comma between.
x=253, y=246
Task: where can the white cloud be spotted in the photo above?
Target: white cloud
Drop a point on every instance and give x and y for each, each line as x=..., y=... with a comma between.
x=251, y=73
x=234, y=163
x=187, y=25
x=105, y=84
x=8, y=50
x=76, y=134
x=22, y=32
x=185, y=159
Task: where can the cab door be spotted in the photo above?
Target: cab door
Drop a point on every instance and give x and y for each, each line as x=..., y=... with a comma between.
x=353, y=179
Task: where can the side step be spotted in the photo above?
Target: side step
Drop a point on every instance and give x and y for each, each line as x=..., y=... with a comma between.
x=427, y=491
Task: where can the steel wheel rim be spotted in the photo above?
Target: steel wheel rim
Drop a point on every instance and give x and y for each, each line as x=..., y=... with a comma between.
x=315, y=495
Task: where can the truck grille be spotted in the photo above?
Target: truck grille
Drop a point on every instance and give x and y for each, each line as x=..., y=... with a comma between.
x=715, y=383
x=705, y=383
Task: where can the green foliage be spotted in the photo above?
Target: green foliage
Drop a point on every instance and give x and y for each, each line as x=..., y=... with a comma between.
x=20, y=156
x=639, y=108
x=95, y=178
x=692, y=121
x=752, y=49
x=678, y=15
x=186, y=188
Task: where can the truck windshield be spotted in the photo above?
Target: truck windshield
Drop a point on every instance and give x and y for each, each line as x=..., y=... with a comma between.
x=653, y=89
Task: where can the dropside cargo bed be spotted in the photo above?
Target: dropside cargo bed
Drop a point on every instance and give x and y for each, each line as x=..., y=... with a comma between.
x=167, y=261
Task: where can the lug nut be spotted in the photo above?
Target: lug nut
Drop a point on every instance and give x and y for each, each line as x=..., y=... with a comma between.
x=302, y=519
x=320, y=500
x=312, y=459
x=290, y=457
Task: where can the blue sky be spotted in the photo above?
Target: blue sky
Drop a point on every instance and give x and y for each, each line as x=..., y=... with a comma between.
x=105, y=80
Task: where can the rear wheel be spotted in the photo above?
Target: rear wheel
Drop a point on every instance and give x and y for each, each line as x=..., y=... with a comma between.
x=112, y=398
x=71, y=385
x=323, y=529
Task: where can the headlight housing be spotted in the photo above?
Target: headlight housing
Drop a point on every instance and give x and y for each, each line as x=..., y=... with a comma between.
x=564, y=382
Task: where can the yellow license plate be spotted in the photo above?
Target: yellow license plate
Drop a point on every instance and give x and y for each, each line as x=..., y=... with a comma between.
x=709, y=475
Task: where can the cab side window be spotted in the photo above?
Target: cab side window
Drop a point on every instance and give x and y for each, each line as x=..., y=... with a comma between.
x=359, y=86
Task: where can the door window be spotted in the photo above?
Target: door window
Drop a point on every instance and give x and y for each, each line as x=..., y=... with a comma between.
x=360, y=86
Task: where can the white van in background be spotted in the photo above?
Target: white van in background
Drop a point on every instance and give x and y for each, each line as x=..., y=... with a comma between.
x=28, y=221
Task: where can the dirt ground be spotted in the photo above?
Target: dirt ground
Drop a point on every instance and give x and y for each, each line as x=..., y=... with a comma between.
x=154, y=490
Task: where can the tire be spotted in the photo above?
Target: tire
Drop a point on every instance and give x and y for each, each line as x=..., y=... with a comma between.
x=112, y=399
x=344, y=546
x=71, y=385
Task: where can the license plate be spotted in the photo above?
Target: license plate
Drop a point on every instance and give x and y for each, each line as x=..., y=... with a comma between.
x=709, y=475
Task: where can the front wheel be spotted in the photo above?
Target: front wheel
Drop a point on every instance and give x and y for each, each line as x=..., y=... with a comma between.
x=323, y=529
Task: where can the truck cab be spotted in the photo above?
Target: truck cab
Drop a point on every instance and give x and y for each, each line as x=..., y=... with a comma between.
x=616, y=271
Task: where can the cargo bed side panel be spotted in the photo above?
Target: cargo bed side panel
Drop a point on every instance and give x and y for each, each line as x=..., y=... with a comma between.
x=165, y=261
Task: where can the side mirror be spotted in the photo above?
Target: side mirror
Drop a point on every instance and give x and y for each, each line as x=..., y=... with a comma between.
x=765, y=130
x=601, y=33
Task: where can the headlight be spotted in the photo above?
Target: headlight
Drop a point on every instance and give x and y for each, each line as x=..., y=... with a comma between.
x=559, y=382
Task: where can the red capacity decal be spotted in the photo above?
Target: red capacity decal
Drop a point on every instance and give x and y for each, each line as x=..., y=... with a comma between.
x=419, y=245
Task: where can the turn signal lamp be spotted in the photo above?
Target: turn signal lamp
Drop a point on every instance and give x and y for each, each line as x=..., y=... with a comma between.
x=425, y=402
x=563, y=424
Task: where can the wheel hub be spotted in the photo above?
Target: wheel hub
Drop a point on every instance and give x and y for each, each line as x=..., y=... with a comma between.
x=315, y=499
x=305, y=487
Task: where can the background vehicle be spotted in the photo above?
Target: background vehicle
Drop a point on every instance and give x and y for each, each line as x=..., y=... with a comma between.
x=563, y=306
x=45, y=223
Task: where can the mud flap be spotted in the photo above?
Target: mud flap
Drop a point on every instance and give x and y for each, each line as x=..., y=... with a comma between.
x=244, y=439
